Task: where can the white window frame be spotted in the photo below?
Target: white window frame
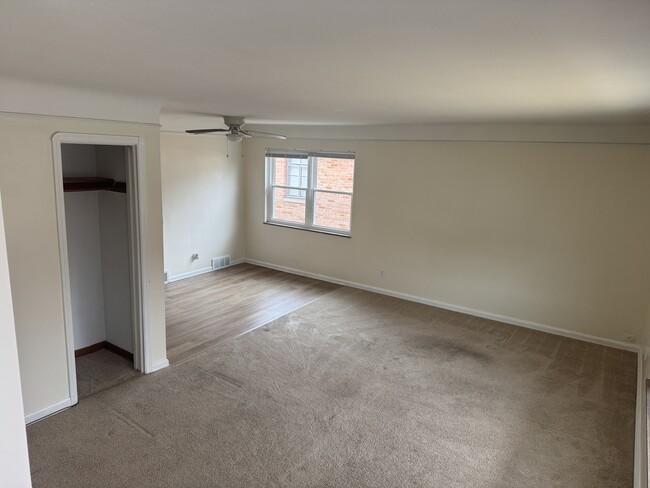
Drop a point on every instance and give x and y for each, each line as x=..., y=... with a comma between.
x=312, y=161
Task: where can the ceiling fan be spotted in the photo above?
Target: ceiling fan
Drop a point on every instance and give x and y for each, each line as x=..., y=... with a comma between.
x=235, y=132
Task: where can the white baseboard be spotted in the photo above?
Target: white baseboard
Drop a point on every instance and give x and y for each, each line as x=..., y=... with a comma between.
x=641, y=427
x=159, y=365
x=188, y=274
x=200, y=271
x=49, y=410
x=456, y=308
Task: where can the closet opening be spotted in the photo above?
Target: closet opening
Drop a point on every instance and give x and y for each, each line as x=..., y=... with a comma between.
x=100, y=237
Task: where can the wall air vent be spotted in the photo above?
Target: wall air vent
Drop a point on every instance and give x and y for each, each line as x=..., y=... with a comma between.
x=220, y=262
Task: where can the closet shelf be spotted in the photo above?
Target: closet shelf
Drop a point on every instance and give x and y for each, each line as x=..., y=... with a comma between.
x=119, y=186
x=92, y=183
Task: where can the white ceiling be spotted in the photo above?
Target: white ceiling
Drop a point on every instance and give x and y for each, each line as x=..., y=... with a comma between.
x=345, y=61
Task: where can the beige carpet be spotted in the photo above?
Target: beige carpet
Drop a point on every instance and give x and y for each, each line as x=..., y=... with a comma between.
x=358, y=390
x=101, y=370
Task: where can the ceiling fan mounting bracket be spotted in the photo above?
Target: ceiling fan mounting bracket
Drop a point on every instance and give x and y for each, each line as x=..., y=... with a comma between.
x=233, y=121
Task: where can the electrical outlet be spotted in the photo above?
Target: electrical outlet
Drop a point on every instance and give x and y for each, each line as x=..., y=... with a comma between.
x=381, y=273
x=629, y=338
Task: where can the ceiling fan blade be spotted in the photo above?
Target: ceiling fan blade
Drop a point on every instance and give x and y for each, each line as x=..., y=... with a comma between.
x=245, y=133
x=205, y=131
x=265, y=134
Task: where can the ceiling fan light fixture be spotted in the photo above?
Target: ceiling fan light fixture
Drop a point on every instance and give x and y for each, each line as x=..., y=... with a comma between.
x=234, y=137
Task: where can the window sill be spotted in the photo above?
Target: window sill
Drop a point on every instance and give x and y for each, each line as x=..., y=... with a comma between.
x=318, y=230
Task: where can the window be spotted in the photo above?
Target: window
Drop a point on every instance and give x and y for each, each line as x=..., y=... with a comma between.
x=310, y=190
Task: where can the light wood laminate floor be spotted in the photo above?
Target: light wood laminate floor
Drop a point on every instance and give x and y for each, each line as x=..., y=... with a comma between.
x=206, y=310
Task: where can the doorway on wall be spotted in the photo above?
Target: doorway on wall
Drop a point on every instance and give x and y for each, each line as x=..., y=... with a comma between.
x=98, y=195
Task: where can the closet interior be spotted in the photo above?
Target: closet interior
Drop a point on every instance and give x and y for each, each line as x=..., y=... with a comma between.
x=97, y=232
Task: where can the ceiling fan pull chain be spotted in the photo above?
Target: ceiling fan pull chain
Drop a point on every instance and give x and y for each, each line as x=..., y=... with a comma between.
x=227, y=146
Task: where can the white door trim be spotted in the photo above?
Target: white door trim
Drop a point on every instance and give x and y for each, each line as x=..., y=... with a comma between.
x=136, y=193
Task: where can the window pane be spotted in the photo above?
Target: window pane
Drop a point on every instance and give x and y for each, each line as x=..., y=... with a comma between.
x=295, y=193
x=296, y=170
x=303, y=176
x=332, y=210
x=288, y=209
x=297, y=161
x=282, y=167
x=293, y=180
x=334, y=174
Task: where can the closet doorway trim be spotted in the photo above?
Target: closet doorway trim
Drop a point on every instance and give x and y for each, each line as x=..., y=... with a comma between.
x=136, y=203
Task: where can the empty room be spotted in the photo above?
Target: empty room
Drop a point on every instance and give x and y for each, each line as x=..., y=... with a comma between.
x=324, y=244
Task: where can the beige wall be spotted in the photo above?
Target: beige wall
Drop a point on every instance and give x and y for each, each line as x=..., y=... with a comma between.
x=202, y=201
x=556, y=234
x=27, y=185
x=14, y=461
